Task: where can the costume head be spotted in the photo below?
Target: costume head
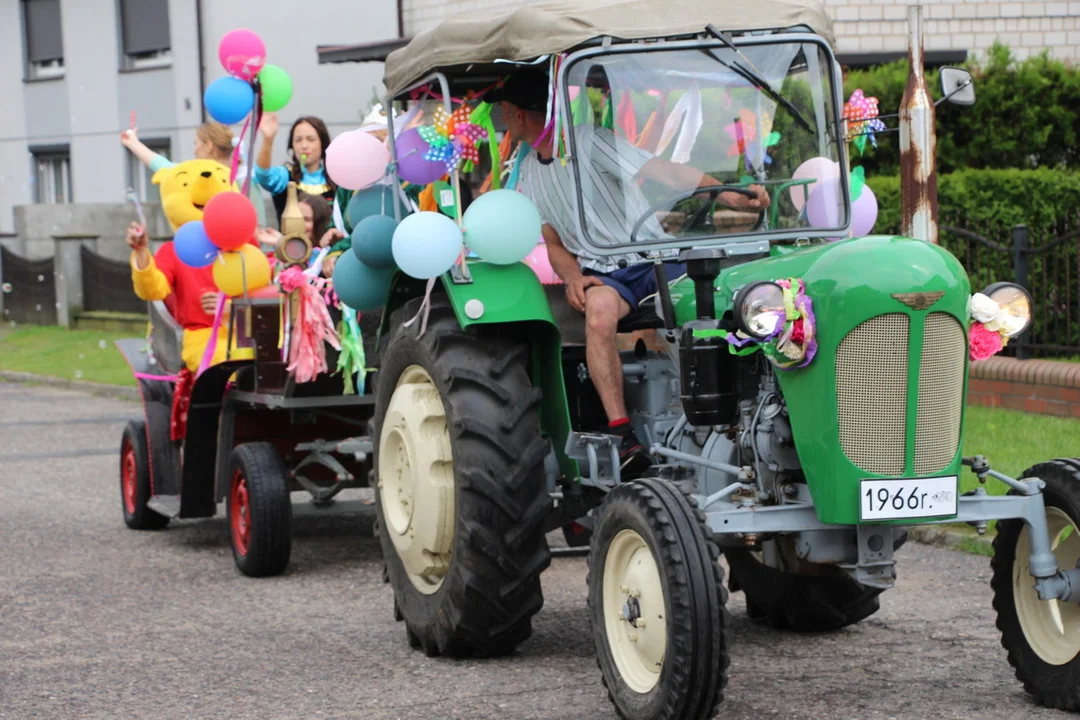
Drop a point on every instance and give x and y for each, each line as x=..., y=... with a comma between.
x=186, y=188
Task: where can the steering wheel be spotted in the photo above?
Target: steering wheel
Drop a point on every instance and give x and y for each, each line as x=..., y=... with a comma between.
x=713, y=192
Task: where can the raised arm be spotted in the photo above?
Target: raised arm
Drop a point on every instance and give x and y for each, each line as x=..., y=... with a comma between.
x=131, y=141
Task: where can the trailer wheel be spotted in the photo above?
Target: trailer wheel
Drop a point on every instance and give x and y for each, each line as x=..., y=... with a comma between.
x=1042, y=637
x=657, y=605
x=259, y=510
x=135, y=488
x=461, y=495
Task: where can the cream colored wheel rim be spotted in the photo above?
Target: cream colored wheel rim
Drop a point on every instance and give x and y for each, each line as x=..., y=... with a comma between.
x=635, y=619
x=416, y=479
x=1052, y=628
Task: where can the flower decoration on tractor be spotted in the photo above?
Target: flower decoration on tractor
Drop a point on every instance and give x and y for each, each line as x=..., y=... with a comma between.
x=991, y=327
x=861, y=113
x=789, y=329
x=453, y=137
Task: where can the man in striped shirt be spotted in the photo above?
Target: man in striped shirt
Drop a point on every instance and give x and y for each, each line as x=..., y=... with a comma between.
x=604, y=288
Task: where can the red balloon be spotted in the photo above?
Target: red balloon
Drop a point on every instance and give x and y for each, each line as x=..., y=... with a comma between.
x=229, y=220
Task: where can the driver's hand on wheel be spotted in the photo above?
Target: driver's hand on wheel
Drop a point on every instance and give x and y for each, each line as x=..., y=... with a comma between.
x=762, y=201
x=575, y=290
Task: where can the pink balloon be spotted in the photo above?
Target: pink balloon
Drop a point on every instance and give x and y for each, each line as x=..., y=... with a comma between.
x=864, y=213
x=537, y=259
x=824, y=209
x=356, y=160
x=242, y=53
x=819, y=169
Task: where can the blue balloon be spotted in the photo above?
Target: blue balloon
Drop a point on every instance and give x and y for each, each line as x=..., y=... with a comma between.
x=229, y=100
x=360, y=287
x=426, y=244
x=502, y=226
x=373, y=239
x=193, y=246
x=375, y=200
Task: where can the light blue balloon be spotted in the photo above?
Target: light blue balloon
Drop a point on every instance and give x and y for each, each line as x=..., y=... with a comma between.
x=502, y=226
x=193, y=246
x=359, y=286
x=229, y=100
x=426, y=244
x=373, y=241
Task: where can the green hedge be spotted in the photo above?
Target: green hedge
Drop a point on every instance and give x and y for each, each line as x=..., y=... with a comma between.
x=994, y=200
x=1026, y=114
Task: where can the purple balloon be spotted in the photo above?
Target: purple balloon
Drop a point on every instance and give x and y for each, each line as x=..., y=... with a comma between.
x=864, y=213
x=412, y=166
x=824, y=208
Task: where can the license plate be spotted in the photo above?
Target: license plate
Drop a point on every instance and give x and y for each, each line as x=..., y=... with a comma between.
x=907, y=499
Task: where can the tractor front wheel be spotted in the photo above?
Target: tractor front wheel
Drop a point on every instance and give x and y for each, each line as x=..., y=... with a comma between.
x=1042, y=636
x=657, y=605
x=259, y=510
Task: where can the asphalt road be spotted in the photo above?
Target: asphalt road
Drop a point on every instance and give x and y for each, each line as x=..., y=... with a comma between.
x=97, y=621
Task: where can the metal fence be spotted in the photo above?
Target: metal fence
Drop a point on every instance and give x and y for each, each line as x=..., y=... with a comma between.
x=106, y=285
x=29, y=288
x=1045, y=261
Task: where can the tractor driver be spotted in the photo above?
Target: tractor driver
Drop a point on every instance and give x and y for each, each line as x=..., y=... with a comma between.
x=604, y=288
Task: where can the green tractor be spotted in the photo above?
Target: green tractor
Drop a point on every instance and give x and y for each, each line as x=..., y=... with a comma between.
x=803, y=402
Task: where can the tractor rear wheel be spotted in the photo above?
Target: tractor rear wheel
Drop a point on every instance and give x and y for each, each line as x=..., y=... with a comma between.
x=797, y=595
x=259, y=510
x=461, y=494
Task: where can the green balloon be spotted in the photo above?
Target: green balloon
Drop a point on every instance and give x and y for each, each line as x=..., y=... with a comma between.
x=375, y=200
x=276, y=88
x=359, y=286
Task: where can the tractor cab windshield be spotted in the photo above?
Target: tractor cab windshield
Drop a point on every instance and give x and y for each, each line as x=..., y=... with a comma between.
x=719, y=119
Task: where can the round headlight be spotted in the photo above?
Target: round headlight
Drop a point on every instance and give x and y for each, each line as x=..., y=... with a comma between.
x=759, y=309
x=1015, y=306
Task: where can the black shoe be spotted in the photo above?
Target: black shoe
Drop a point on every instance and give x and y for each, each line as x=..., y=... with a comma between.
x=634, y=460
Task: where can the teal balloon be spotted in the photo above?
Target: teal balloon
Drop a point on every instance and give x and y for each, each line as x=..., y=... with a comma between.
x=502, y=226
x=359, y=286
x=376, y=200
x=426, y=245
x=373, y=239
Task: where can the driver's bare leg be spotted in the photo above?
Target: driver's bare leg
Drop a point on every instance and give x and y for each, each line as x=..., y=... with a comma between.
x=604, y=307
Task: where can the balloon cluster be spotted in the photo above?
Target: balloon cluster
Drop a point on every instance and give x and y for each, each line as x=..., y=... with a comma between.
x=243, y=55
x=221, y=239
x=824, y=204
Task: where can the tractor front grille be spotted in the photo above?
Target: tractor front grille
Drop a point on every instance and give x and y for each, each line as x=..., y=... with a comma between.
x=871, y=393
x=872, y=390
x=941, y=393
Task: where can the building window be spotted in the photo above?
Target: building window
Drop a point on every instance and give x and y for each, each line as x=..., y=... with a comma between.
x=43, y=39
x=139, y=176
x=144, y=26
x=52, y=176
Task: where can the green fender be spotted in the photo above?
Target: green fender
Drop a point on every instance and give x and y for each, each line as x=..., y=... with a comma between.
x=508, y=295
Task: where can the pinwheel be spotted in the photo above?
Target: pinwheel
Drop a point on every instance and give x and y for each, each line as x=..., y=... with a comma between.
x=453, y=137
x=861, y=112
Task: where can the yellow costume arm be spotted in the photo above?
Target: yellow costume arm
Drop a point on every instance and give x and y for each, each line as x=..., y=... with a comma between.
x=150, y=283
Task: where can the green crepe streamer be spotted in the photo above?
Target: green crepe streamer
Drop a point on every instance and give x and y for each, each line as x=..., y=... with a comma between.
x=352, y=360
x=482, y=116
x=608, y=114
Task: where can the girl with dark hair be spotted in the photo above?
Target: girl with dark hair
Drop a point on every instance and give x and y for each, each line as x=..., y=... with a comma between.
x=308, y=140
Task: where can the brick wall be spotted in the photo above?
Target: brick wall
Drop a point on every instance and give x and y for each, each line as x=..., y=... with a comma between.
x=881, y=25
x=1036, y=386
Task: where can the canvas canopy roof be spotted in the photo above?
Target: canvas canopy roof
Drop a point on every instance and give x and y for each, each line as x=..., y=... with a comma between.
x=561, y=25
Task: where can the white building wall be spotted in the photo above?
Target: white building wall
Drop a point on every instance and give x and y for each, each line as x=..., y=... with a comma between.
x=15, y=186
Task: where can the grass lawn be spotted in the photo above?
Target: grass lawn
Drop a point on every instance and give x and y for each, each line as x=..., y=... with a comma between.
x=57, y=352
x=1013, y=441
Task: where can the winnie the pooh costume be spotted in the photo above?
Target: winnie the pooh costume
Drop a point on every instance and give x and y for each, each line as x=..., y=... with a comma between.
x=185, y=190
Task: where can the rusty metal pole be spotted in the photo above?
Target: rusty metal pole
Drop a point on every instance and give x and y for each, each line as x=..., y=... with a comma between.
x=918, y=144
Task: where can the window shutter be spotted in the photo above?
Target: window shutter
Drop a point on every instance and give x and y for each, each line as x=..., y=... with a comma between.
x=146, y=25
x=43, y=38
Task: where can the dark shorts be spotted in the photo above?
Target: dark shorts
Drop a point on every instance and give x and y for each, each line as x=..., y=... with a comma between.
x=637, y=282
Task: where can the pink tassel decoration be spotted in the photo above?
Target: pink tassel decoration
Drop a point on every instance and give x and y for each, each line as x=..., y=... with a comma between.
x=307, y=356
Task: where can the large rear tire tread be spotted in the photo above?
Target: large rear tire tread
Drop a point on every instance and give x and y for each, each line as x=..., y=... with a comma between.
x=491, y=590
x=270, y=542
x=692, y=682
x=1055, y=686
x=142, y=517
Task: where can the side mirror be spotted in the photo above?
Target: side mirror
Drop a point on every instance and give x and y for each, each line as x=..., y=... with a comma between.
x=957, y=86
